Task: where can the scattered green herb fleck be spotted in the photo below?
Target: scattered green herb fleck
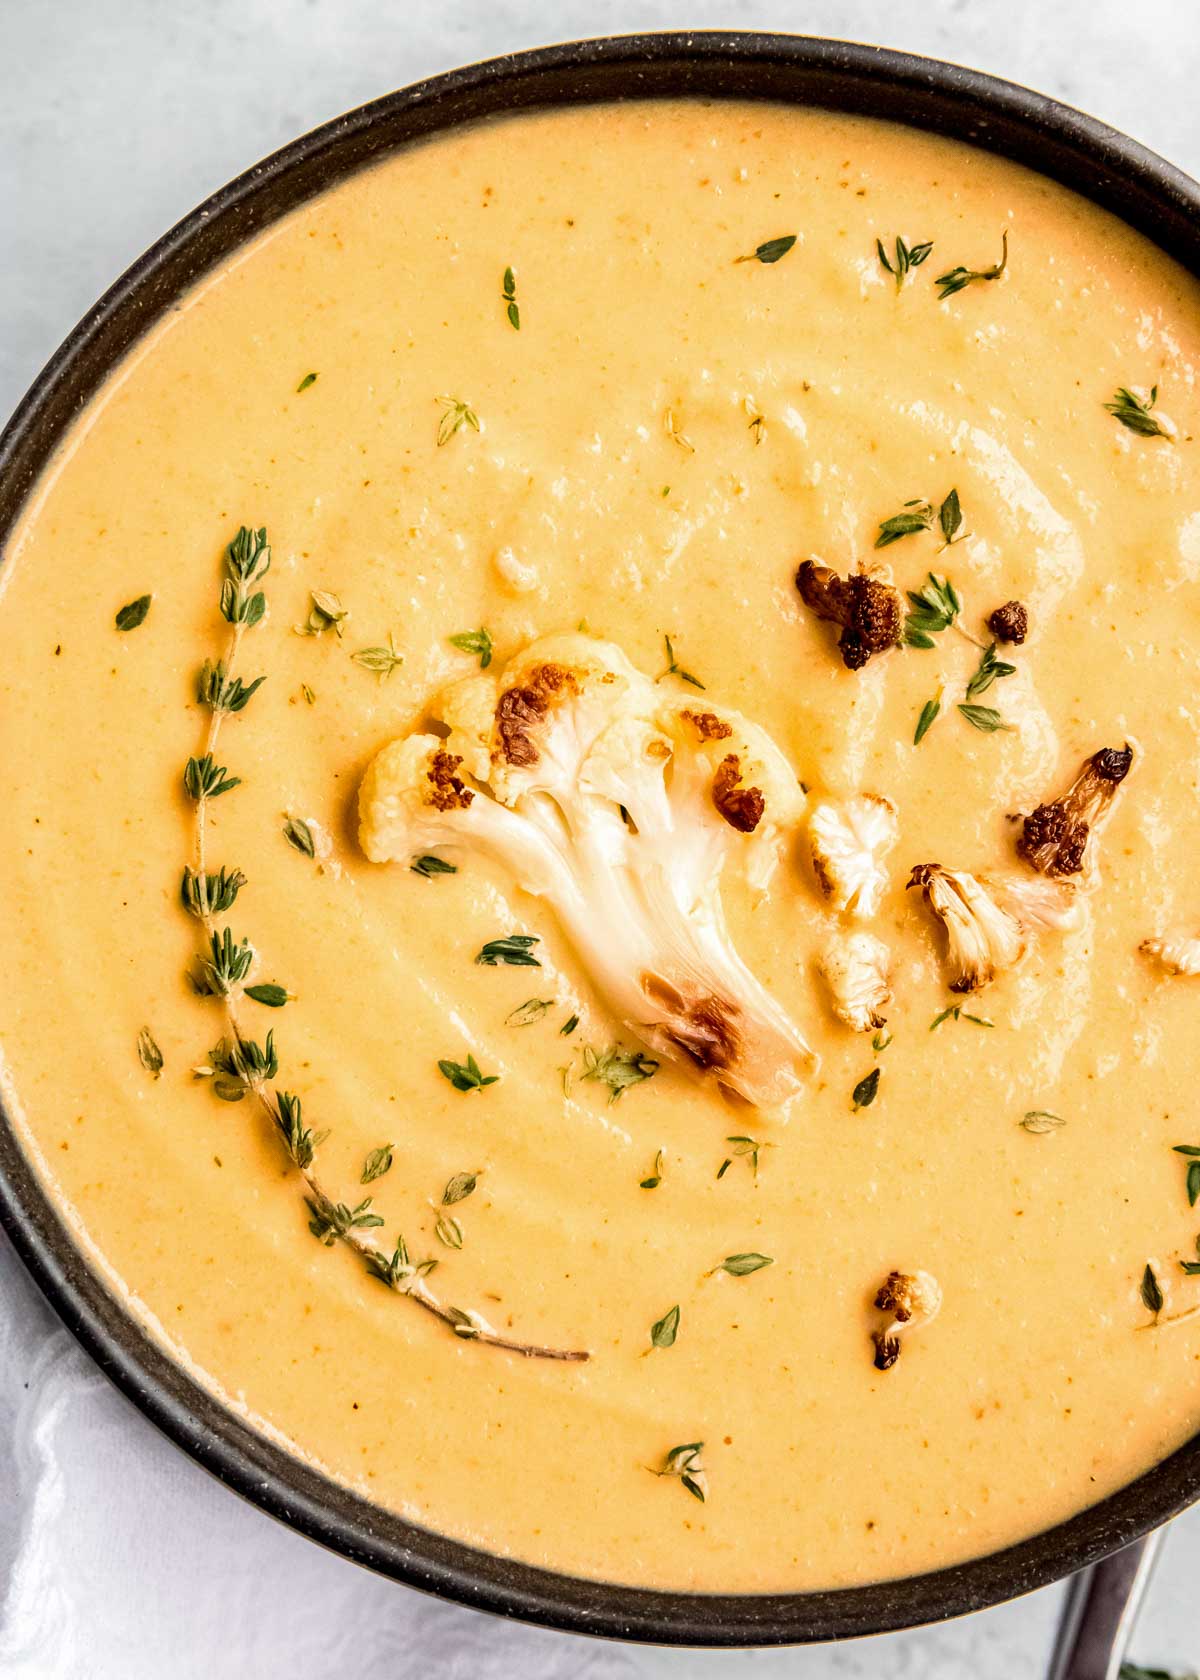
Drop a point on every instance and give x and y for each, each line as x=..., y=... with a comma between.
x=271, y=996
x=220, y=692
x=204, y=779
x=881, y=1041
x=474, y=641
x=515, y=950
x=1040, y=1121
x=984, y=718
x=465, y=1076
x=915, y=516
x=429, y=866
x=665, y=1330
x=1191, y=1267
x=926, y=721
x=309, y=379
x=150, y=1056
x=933, y=609
x=617, y=1068
x=326, y=612
x=867, y=1089
x=528, y=1012
x=459, y=1188
x=568, y=1026
x=990, y=669
x=308, y=694
x=297, y=833
x=381, y=660
x=1192, y=1154
x=770, y=250
x=377, y=1163
x=1152, y=1295
x=741, y=1265
x=331, y=1220
x=743, y=1148
x=134, y=614
x=956, y=278
x=448, y=1230
x=956, y=1012
x=656, y=1177
x=674, y=669
x=1134, y=412
x=455, y=415
x=509, y=295
x=684, y=1462
x=907, y=256
x=206, y=894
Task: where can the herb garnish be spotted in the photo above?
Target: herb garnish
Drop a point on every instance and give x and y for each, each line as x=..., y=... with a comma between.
x=528, y=1012
x=241, y=1067
x=664, y=1331
x=656, y=1177
x=1192, y=1153
x=382, y=660
x=881, y=1040
x=956, y=278
x=741, y=1265
x=459, y=1187
x=568, y=1026
x=1134, y=412
x=514, y=950
x=449, y=1231
x=918, y=515
x=926, y=721
x=377, y=1163
x=429, y=866
x=934, y=609
x=675, y=669
x=676, y=435
x=985, y=718
x=1151, y=1292
x=325, y=613
x=990, y=670
x=134, y=614
x=465, y=1076
x=907, y=256
x=150, y=1056
x=509, y=296
x=309, y=379
x=684, y=1462
x=474, y=641
x=297, y=833
x=743, y=1147
x=770, y=250
x=956, y=1012
x=455, y=415
x=1039, y=1121
x=1191, y=1267
x=867, y=1089
x=617, y=1068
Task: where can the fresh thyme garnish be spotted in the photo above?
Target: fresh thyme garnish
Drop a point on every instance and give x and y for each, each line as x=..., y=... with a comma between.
x=455, y=415
x=1191, y=1267
x=770, y=250
x=934, y=609
x=926, y=721
x=326, y=612
x=297, y=833
x=1152, y=1295
x=449, y=1231
x=568, y=1026
x=867, y=1089
x=881, y=1040
x=377, y=1163
x=1134, y=412
x=956, y=1012
x=675, y=669
x=956, y=278
x=309, y=696
x=656, y=1177
x=381, y=660
x=676, y=435
x=459, y=1188
x=758, y=423
x=985, y=718
x=664, y=1331
x=429, y=866
x=918, y=516
x=1192, y=1154
x=990, y=670
x=528, y=1012
x=744, y=1148
x=309, y=379
x=509, y=295
x=465, y=1076
x=741, y=1265
x=474, y=641
x=239, y=1066
x=134, y=614
x=1039, y=1121
x=684, y=1462
x=150, y=1056
x=514, y=950
x=617, y=1068
x=907, y=256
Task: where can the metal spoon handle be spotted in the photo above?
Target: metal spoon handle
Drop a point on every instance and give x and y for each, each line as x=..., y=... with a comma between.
x=1100, y=1612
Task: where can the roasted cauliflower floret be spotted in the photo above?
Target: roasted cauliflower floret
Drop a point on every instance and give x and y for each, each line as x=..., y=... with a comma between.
x=855, y=967
x=981, y=938
x=910, y=1300
x=1038, y=903
x=620, y=808
x=1009, y=623
x=1177, y=953
x=869, y=611
x=849, y=840
x=1055, y=837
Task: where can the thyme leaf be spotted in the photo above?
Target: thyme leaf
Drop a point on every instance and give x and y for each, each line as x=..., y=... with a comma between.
x=926, y=721
x=474, y=641
x=331, y=1220
x=465, y=1076
x=205, y=780
x=1193, y=1170
x=913, y=517
x=309, y=379
x=514, y=950
x=684, y=1462
x=455, y=415
x=568, y=1026
x=377, y=1163
x=984, y=718
x=206, y=894
x=298, y=834
x=674, y=669
x=956, y=1012
x=867, y=1089
x=664, y=1331
x=134, y=613
x=933, y=609
x=428, y=866
x=907, y=257
x=1151, y=1291
x=770, y=250
x=509, y=296
x=956, y=278
x=1134, y=413
x=656, y=1177
x=381, y=660
x=221, y=692
x=525, y=1014
x=744, y=1148
x=990, y=670
x=449, y=1231
x=270, y=996
x=1039, y=1121
x=150, y=1056
x=741, y=1265
x=459, y=1188
x=618, y=1068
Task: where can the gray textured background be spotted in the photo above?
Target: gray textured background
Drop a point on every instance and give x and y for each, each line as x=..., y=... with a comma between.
x=116, y=116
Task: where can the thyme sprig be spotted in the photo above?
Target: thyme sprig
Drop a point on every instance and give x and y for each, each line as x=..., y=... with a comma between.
x=1131, y=410
x=239, y=1066
x=956, y=278
x=907, y=257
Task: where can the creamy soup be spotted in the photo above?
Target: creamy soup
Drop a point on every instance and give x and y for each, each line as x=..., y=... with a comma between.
x=635, y=436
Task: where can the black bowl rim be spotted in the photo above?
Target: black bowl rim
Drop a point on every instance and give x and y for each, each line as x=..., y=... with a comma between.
x=1082, y=153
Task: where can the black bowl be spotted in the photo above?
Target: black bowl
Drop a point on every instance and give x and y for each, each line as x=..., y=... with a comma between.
x=1082, y=154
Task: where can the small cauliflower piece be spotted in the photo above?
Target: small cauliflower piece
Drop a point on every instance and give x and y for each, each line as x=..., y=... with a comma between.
x=514, y=573
x=1177, y=953
x=1055, y=838
x=1040, y=904
x=855, y=967
x=981, y=938
x=468, y=709
x=910, y=1300
x=849, y=840
x=869, y=610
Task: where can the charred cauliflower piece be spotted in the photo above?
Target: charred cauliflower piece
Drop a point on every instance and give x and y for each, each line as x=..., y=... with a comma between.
x=1177, y=953
x=849, y=840
x=621, y=808
x=855, y=967
x=981, y=938
x=869, y=611
x=1054, y=839
x=910, y=1300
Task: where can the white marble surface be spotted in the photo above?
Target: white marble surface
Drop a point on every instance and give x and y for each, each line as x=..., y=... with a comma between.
x=120, y=1558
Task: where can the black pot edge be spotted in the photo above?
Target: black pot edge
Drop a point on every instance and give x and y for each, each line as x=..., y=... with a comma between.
x=1075, y=149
